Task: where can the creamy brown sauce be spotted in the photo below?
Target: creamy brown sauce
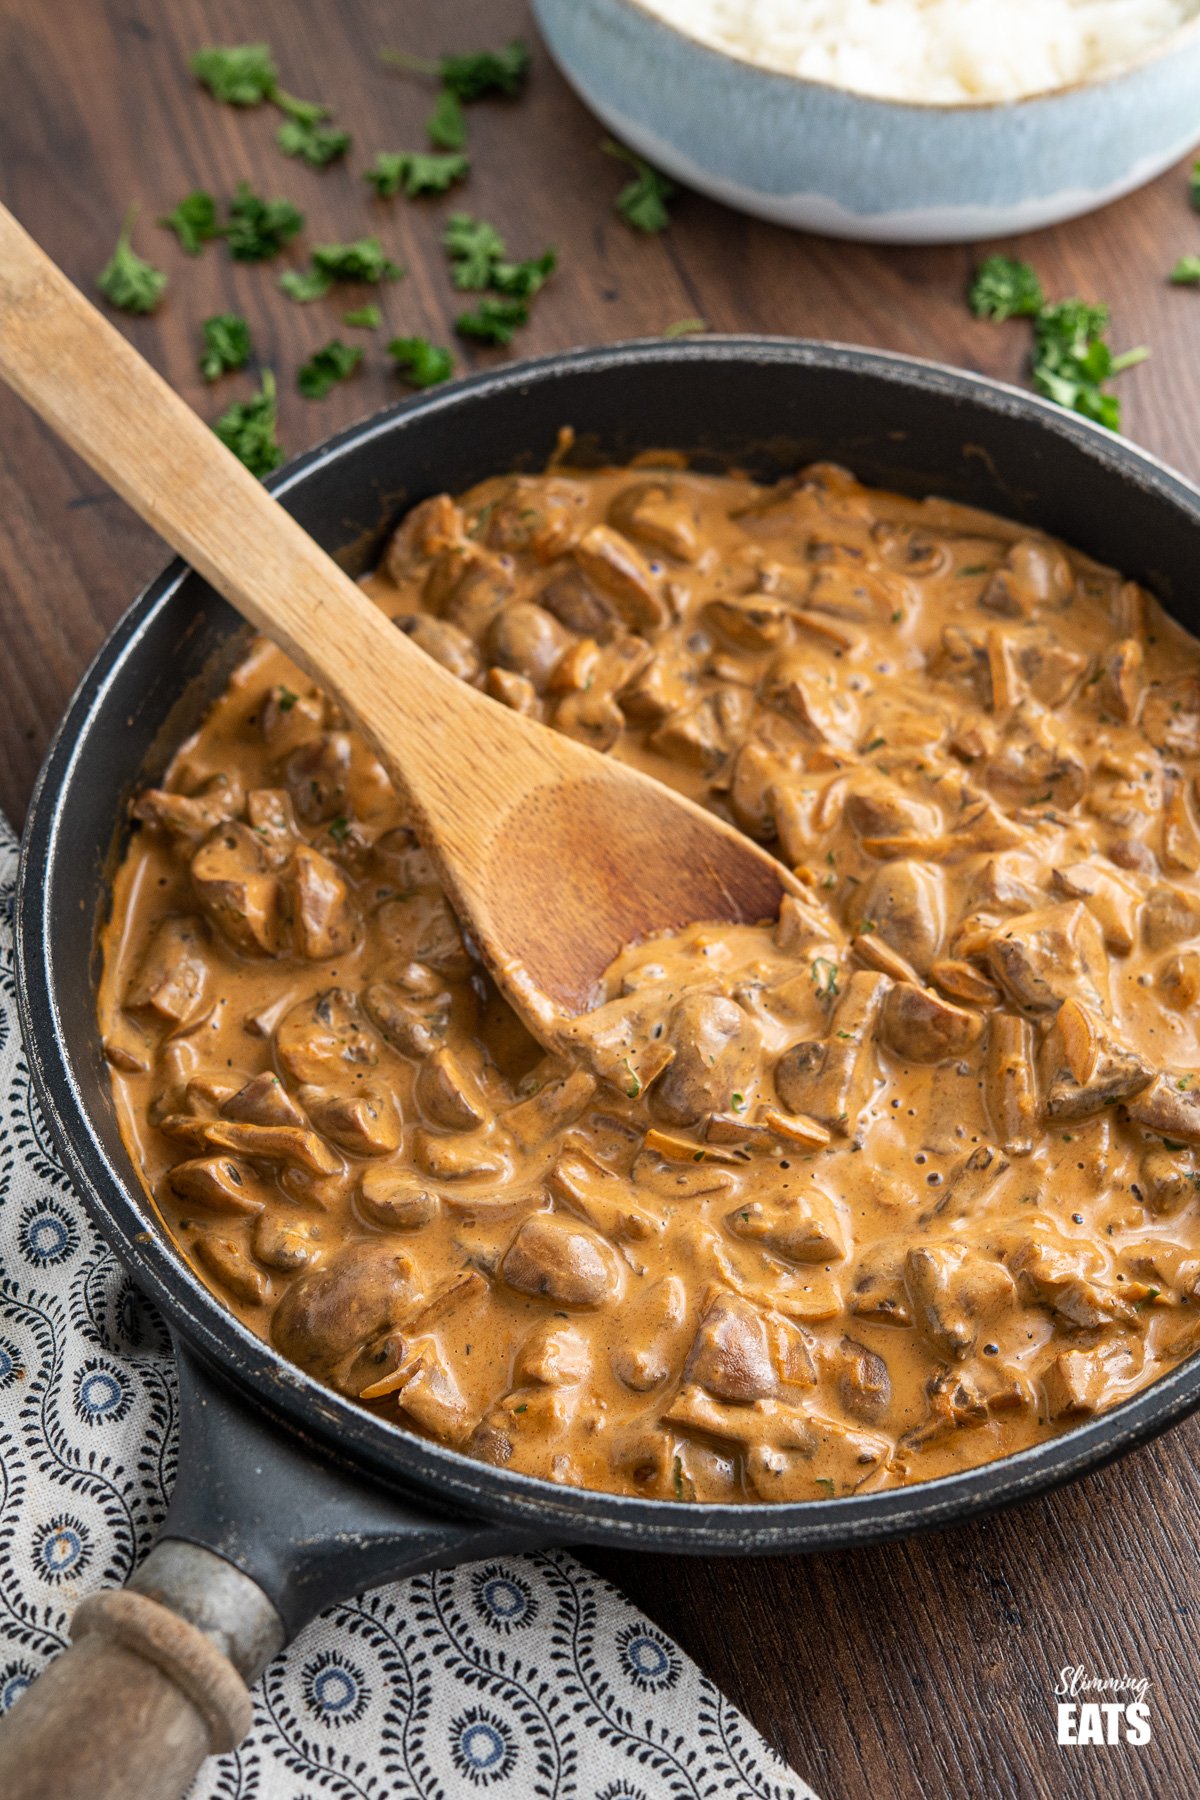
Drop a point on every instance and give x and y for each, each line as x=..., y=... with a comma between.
x=901, y=1184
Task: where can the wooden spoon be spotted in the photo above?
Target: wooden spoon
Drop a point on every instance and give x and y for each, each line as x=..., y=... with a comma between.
x=554, y=856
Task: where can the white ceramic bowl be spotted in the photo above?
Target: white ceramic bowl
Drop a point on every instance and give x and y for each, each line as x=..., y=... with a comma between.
x=809, y=154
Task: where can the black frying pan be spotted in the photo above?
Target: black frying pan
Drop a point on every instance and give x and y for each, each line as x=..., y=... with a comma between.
x=305, y=1495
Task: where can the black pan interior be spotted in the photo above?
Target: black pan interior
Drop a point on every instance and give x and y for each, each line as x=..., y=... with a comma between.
x=768, y=405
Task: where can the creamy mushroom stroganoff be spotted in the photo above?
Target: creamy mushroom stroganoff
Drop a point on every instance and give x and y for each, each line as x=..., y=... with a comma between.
x=898, y=1184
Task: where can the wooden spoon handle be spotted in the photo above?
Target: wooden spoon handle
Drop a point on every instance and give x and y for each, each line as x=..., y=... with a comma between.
x=65, y=359
x=129, y=1712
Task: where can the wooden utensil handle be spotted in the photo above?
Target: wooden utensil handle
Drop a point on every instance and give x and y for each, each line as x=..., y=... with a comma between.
x=65, y=359
x=129, y=1712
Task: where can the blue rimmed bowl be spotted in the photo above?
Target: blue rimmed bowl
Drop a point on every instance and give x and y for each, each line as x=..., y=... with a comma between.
x=823, y=158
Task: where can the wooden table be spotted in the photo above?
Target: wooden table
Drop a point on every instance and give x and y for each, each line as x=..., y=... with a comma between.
x=924, y=1668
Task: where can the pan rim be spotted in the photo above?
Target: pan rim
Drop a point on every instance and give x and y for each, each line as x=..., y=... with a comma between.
x=445, y=1479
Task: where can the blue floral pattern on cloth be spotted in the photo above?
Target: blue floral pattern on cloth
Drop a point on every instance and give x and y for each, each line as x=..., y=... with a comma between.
x=524, y=1678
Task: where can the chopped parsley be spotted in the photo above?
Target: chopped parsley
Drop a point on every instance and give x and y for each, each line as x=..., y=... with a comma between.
x=1186, y=272
x=305, y=284
x=825, y=977
x=227, y=345
x=474, y=248
x=642, y=202
x=238, y=74
x=685, y=328
x=421, y=363
x=737, y=1102
x=245, y=75
x=258, y=229
x=473, y=76
x=493, y=321
x=478, y=261
x=876, y=743
x=248, y=428
x=194, y=221
x=447, y=125
x=416, y=171
x=287, y=699
x=1071, y=358
x=367, y=318
x=1005, y=289
x=332, y=363
x=362, y=259
x=635, y=1081
x=1194, y=184
x=339, y=828
x=127, y=280
x=313, y=142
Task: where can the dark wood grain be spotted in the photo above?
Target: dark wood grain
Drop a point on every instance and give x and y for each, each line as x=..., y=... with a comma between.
x=918, y=1669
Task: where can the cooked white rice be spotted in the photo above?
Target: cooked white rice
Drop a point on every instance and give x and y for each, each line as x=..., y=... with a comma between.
x=933, y=50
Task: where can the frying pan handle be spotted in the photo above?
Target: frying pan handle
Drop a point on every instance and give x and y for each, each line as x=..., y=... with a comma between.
x=263, y=1531
x=129, y=1712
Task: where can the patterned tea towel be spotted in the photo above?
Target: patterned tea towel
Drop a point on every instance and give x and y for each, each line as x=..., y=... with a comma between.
x=522, y=1677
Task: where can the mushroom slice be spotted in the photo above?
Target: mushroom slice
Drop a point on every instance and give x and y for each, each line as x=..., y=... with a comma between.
x=731, y=1353
x=1169, y=1182
x=270, y=1144
x=414, y=1027
x=1009, y=1085
x=364, y=1121
x=238, y=890
x=1121, y=684
x=657, y=516
x=962, y=981
x=622, y=574
x=1078, y=1382
x=1043, y=958
x=1110, y=896
x=284, y=1243
x=220, y=1183
x=171, y=975
x=323, y=1041
x=602, y=1198
x=1170, y=1105
x=559, y=1101
x=263, y=1101
x=1085, y=1068
x=429, y=1394
x=953, y=1290
x=716, y=1045
x=906, y=906
x=395, y=1199
x=1061, y=1273
x=553, y=1355
x=449, y=1090
x=1171, y=715
x=862, y=1380
x=229, y=1264
x=560, y=1259
x=803, y=1228
x=920, y=1026
x=189, y=818
x=326, y=920
x=331, y=1313
x=829, y=1079
x=1169, y=916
